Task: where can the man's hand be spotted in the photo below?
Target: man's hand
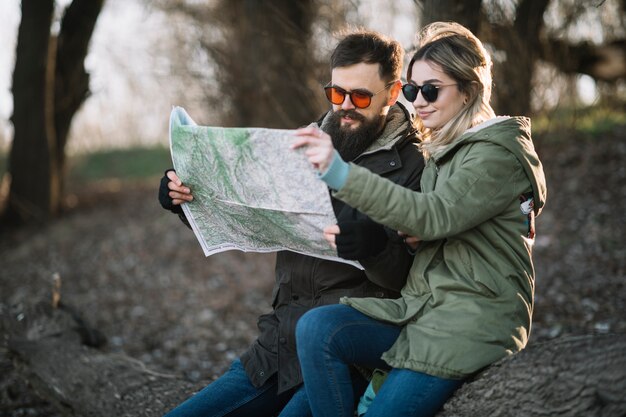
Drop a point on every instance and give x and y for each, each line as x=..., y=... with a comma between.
x=358, y=239
x=172, y=192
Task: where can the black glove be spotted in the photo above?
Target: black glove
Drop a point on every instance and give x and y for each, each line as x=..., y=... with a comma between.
x=164, y=197
x=360, y=239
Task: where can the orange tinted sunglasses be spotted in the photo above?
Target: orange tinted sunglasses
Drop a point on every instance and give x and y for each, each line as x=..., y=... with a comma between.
x=360, y=98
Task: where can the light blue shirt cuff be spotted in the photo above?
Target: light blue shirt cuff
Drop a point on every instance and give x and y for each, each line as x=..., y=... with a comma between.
x=337, y=173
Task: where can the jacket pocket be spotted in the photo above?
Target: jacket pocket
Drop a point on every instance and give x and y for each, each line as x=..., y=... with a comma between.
x=470, y=268
x=486, y=276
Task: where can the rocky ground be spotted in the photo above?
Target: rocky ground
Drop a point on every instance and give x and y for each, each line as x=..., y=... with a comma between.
x=139, y=276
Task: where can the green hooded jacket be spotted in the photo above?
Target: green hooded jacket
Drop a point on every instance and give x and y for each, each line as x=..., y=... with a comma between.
x=468, y=300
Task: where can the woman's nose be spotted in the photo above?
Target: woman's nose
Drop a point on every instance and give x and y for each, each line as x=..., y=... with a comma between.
x=419, y=101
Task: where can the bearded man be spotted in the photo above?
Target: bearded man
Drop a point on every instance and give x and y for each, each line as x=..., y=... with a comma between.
x=371, y=129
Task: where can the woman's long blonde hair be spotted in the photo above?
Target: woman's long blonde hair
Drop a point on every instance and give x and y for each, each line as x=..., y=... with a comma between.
x=462, y=56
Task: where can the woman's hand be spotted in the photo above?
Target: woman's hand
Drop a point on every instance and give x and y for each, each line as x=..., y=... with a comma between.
x=319, y=147
x=410, y=241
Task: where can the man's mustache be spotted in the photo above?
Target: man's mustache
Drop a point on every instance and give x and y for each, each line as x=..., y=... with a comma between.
x=351, y=114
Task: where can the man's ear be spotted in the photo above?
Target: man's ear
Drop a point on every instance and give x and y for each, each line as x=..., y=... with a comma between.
x=394, y=91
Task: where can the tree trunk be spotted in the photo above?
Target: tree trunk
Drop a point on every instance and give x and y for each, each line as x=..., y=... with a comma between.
x=71, y=80
x=577, y=376
x=49, y=85
x=52, y=348
x=466, y=13
x=266, y=69
x=521, y=45
x=33, y=194
x=513, y=77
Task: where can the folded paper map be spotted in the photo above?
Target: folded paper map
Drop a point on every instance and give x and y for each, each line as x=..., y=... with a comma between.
x=251, y=191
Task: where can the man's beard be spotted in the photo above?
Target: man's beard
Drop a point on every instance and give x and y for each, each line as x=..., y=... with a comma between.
x=350, y=143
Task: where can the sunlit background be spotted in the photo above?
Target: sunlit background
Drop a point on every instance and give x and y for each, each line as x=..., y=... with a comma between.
x=130, y=61
x=134, y=50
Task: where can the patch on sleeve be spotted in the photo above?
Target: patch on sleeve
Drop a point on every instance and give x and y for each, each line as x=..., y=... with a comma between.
x=527, y=206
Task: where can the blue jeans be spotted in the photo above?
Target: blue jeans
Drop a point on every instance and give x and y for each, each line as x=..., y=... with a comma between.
x=233, y=395
x=331, y=337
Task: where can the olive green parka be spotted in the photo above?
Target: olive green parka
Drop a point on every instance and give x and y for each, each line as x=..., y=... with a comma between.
x=468, y=300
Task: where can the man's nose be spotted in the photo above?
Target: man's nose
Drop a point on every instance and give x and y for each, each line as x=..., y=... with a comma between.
x=347, y=103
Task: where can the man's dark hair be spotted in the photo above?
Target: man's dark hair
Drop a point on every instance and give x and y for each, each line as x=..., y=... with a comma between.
x=369, y=47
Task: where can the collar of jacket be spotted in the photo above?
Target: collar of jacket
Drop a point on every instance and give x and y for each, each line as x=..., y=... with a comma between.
x=512, y=133
x=398, y=127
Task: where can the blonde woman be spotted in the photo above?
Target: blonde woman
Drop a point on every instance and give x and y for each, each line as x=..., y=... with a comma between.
x=468, y=300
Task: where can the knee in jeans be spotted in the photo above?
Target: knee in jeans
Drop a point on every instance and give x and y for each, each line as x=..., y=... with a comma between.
x=316, y=325
x=312, y=327
x=305, y=327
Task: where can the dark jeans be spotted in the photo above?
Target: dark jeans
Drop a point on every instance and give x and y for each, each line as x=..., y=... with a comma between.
x=233, y=395
x=329, y=338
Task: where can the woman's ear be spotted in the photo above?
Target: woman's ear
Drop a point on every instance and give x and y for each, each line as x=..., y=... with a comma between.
x=472, y=91
x=395, y=92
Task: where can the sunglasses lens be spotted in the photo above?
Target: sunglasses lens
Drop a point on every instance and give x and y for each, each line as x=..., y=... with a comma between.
x=334, y=95
x=337, y=96
x=410, y=92
x=430, y=93
x=360, y=100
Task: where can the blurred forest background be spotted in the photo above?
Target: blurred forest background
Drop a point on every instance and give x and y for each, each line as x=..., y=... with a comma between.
x=86, y=87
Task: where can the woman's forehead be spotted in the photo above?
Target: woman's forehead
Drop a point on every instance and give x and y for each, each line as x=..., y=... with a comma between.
x=424, y=71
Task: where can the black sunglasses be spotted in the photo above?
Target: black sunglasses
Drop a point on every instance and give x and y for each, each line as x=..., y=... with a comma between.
x=360, y=98
x=430, y=92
